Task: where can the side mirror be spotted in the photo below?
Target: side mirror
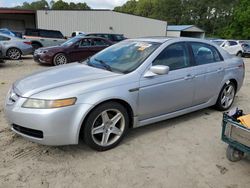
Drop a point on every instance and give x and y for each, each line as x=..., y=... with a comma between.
x=157, y=70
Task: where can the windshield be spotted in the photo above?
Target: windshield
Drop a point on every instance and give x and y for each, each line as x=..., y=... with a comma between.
x=123, y=57
x=70, y=41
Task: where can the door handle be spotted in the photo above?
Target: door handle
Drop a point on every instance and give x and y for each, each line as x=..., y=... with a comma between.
x=189, y=77
x=41, y=39
x=54, y=40
x=220, y=70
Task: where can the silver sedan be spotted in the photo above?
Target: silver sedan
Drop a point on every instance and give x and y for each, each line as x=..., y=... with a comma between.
x=130, y=84
x=13, y=47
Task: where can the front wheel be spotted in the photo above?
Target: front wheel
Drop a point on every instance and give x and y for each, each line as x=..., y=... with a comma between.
x=105, y=126
x=226, y=97
x=60, y=59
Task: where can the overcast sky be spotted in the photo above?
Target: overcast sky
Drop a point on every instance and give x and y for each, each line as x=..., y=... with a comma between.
x=95, y=4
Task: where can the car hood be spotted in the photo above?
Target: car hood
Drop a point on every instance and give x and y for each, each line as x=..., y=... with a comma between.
x=58, y=77
x=52, y=48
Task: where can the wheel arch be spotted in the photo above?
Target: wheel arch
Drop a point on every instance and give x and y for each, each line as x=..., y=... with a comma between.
x=120, y=101
x=36, y=42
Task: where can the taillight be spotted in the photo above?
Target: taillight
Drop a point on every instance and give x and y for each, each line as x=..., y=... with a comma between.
x=26, y=42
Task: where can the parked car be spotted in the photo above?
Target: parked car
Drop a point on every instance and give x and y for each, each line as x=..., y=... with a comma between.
x=11, y=33
x=231, y=46
x=75, y=49
x=7, y=32
x=109, y=36
x=44, y=38
x=245, y=49
x=76, y=33
x=13, y=47
x=1, y=55
x=129, y=84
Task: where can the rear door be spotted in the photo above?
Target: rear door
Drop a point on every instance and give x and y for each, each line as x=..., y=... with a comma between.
x=208, y=73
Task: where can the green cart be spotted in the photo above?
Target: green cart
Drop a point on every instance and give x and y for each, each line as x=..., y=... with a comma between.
x=237, y=137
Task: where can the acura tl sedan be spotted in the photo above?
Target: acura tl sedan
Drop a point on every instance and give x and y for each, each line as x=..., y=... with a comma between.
x=130, y=84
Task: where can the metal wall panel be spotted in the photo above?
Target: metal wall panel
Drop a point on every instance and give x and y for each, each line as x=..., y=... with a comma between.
x=100, y=21
x=173, y=33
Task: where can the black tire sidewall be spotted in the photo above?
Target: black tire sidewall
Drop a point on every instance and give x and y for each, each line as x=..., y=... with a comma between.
x=92, y=116
x=218, y=103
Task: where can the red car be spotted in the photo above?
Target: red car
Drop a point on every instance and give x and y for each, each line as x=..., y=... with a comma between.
x=75, y=49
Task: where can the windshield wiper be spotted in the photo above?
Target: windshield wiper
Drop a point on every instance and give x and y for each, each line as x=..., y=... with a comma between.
x=105, y=65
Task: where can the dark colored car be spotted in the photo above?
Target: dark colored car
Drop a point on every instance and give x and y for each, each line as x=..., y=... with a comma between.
x=75, y=49
x=112, y=37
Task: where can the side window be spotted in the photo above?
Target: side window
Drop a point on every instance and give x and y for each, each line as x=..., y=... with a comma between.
x=2, y=38
x=176, y=56
x=99, y=42
x=85, y=43
x=232, y=43
x=204, y=54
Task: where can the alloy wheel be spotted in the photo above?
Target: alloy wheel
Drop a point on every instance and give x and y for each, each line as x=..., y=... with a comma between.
x=227, y=96
x=60, y=60
x=14, y=54
x=108, y=127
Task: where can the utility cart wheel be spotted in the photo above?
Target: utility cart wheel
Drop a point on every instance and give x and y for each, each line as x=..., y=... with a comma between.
x=234, y=154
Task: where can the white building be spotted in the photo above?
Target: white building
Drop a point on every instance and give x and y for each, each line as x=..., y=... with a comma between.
x=67, y=21
x=185, y=31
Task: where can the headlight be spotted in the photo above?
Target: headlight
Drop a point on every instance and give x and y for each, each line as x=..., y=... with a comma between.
x=45, y=104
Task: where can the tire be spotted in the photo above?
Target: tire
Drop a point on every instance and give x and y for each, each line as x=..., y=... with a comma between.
x=106, y=126
x=60, y=59
x=239, y=54
x=14, y=53
x=234, y=154
x=226, y=97
x=36, y=45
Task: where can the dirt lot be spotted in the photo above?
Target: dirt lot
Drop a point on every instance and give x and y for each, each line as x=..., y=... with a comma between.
x=182, y=152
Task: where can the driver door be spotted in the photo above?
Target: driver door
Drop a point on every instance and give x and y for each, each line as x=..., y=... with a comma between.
x=163, y=94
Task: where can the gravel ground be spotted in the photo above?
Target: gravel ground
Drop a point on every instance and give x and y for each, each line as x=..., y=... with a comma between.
x=182, y=152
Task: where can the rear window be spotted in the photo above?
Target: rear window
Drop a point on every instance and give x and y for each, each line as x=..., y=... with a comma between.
x=118, y=38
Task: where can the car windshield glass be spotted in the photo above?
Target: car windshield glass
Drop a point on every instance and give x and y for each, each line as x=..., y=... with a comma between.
x=125, y=56
x=218, y=42
x=70, y=41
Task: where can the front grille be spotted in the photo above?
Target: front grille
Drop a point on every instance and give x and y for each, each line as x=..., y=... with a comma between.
x=27, y=131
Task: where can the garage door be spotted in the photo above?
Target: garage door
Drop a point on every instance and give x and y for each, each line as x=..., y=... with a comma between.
x=16, y=25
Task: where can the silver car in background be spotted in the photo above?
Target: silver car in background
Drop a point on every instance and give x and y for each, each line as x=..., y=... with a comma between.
x=13, y=47
x=130, y=84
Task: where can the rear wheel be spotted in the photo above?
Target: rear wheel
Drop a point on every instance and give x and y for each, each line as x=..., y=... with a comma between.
x=60, y=59
x=226, y=97
x=105, y=126
x=14, y=54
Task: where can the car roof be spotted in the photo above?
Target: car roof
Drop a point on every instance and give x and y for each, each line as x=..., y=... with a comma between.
x=103, y=34
x=160, y=39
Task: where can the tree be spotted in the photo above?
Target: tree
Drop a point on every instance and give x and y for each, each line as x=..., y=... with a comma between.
x=42, y=4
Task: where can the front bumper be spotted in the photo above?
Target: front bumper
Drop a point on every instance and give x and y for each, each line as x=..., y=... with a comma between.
x=42, y=58
x=59, y=126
